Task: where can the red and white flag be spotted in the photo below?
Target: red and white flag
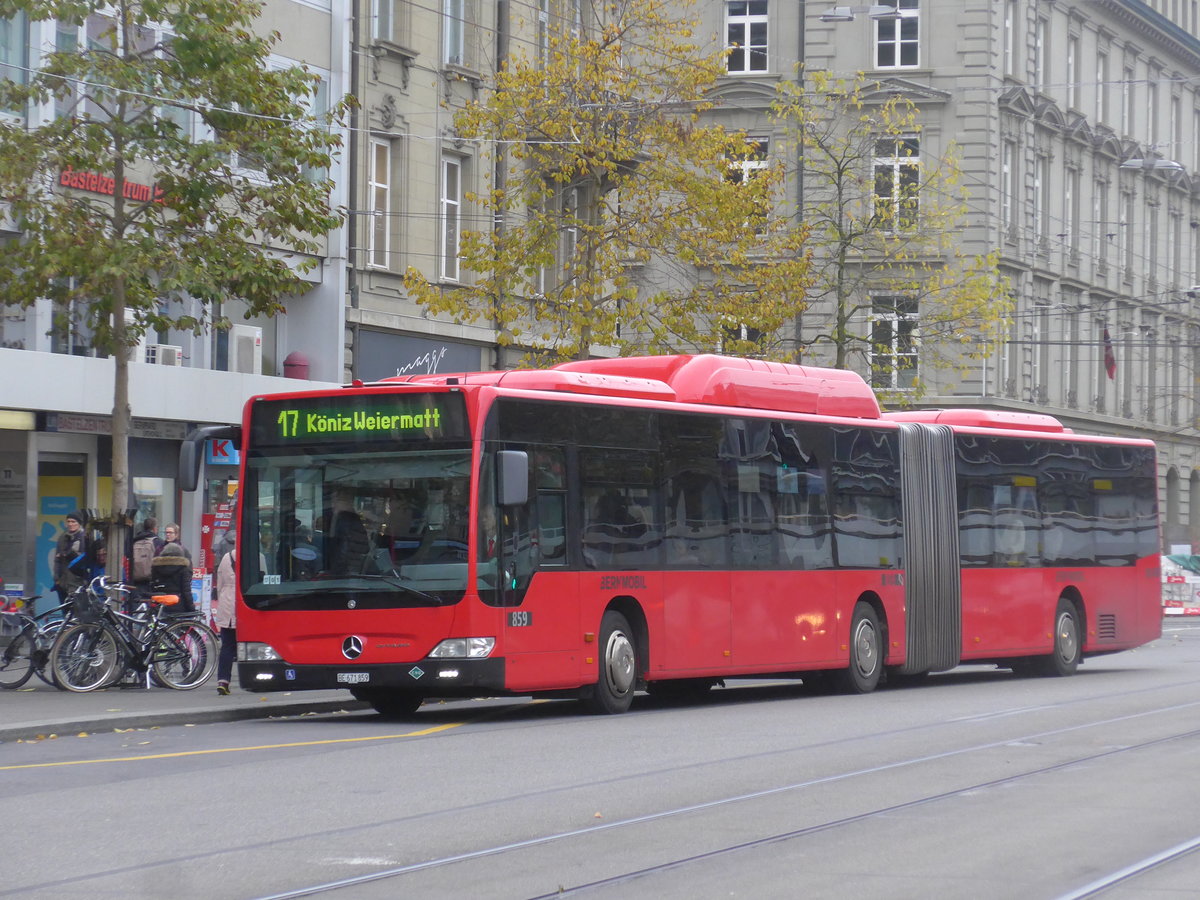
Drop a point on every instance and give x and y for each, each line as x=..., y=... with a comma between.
x=1110, y=359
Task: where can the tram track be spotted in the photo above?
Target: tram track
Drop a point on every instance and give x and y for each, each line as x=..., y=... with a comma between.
x=385, y=873
x=623, y=878
x=1127, y=876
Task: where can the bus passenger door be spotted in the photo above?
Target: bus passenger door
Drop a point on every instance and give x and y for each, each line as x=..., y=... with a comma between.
x=540, y=625
x=697, y=633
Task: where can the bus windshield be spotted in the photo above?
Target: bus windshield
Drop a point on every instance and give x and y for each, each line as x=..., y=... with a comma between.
x=355, y=527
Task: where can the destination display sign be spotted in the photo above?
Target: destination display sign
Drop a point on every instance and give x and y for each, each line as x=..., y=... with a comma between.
x=359, y=418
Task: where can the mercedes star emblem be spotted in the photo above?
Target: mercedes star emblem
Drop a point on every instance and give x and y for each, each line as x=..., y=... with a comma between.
x=352, y=647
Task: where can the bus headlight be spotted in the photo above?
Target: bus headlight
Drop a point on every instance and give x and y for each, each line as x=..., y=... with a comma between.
x=464, y=648
x=252, y=652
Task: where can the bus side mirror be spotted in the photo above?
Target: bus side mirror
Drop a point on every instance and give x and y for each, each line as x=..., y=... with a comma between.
x=192, y=449
x=512, y=477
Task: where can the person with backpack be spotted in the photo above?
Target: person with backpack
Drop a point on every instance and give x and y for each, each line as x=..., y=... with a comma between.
x=145, y=547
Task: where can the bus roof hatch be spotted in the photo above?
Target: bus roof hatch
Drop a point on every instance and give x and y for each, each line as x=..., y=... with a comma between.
x=751, y=383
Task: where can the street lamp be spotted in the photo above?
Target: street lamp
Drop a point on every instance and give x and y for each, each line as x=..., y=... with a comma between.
x=847, y=13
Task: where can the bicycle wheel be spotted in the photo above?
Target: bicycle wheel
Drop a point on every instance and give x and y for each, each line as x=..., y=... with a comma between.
x=86, y=656
x=16, y=662
x=185, y=656
x=41, y=653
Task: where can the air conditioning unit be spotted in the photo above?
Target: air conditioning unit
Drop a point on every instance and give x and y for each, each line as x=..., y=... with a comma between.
x=245, y=349
x=163, y=355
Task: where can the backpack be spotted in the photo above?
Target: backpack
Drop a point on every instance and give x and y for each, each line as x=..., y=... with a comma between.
x=143, y=559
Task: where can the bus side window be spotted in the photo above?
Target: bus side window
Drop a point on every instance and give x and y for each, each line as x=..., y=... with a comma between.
x=552, y=519
x=549, y=470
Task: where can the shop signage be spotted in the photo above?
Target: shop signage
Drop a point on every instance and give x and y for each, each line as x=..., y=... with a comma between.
x=385, y=355
x=102, y=184
x=138, y=428
x=222, y=452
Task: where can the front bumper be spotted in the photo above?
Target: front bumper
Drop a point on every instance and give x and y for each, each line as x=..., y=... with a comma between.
x=427, y=677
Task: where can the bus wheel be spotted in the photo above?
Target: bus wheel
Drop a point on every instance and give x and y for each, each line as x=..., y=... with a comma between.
x=613, y=691
x=866, y=653
x=1068, y=648
x=396, y=704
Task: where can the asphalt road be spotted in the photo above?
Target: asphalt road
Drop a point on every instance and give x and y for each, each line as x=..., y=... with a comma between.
x=976, y=784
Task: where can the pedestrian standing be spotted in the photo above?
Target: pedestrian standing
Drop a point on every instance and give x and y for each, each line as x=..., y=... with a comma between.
x=172, y=574
x=71, y=565
x=174, y=536
x=226, y=618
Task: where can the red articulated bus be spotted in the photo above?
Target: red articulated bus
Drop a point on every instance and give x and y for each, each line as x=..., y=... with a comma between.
x=665, y=523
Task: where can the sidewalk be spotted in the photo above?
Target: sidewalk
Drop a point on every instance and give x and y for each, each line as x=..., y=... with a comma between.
x=38, y=709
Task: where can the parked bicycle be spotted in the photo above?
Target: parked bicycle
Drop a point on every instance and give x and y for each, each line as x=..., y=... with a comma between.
x=33, y=634
x=106, y=643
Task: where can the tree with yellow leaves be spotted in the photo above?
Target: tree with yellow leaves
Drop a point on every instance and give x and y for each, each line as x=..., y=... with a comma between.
x=618, y=221
x=892, y=293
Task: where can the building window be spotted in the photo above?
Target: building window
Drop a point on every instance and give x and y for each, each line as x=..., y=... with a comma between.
x=1150, y=249
x=1039, y=340
x=744, y=168
x=1071, y=211
x=1176, y=126
x=1041, y=200
x=543, y=33
x=1175, y=251
x=66, y=40
x=893, y=353
x=451, y=209
x=1070, y=371
x=14, y=38
x=1196, y=141
x=1010, y=37
x=1152, y=110
x=1073, y=72
x=382, y=19
x=1194, y=261
x=1127, y=101
x=897, y=41
x=746, y=36
x=380, y=186
x=897, y=182
x=1040, y=37
x=1101, y=87
x=1124, y=230
x=1008, y=185
x=569, y=234
x=454, y=20
x=1174, y=352
x=1102, y=229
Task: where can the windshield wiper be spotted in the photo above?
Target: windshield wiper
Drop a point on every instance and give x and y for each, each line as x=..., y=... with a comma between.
x=318, y=588
x=396, y=582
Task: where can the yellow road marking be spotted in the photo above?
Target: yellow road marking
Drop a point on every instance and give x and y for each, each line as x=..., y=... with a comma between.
x=181, y=753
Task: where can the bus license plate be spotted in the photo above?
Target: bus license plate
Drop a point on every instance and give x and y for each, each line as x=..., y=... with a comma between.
x=353, y=677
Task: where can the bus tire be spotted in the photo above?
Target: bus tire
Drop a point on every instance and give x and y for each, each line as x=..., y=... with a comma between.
x=613, y=691
x=862, y=675
x=1068, y=645
x=393, y=704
